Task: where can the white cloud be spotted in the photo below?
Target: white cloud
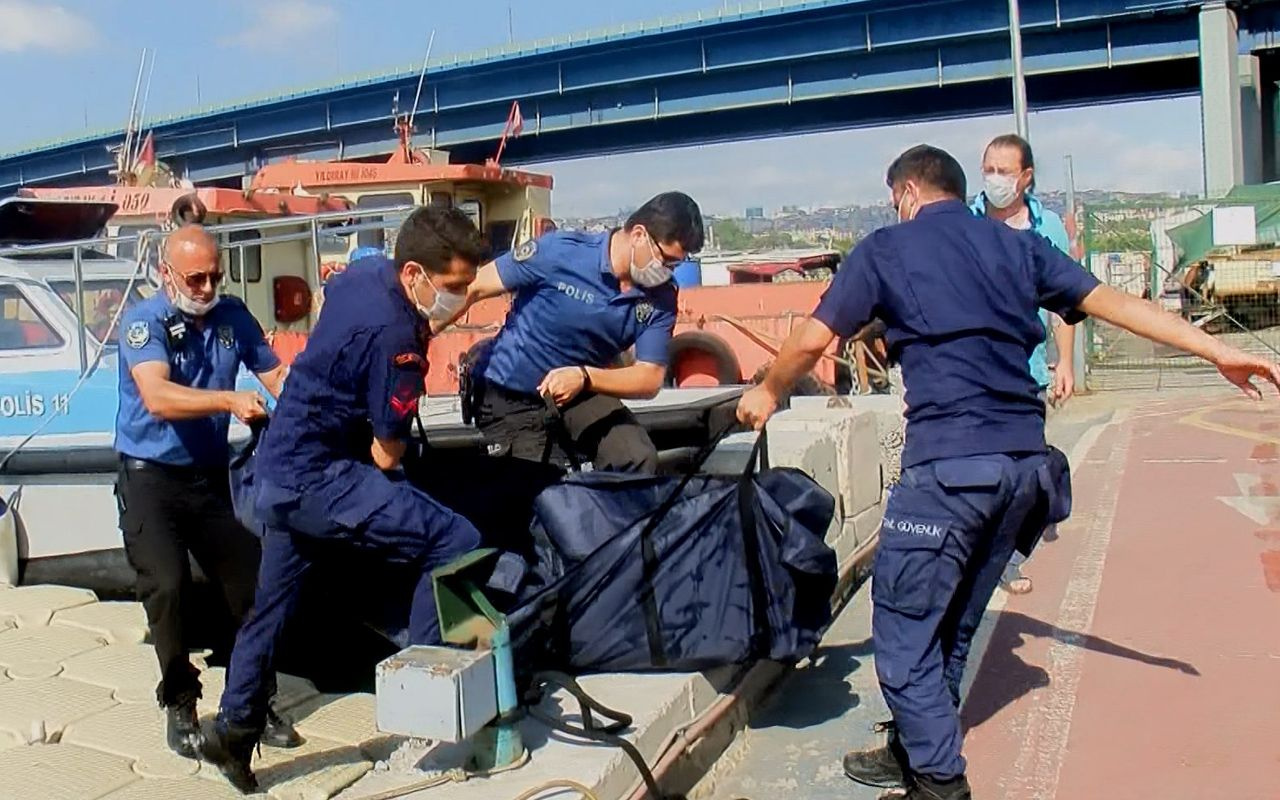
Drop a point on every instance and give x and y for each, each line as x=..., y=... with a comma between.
x=277, y=22
x=26, y=25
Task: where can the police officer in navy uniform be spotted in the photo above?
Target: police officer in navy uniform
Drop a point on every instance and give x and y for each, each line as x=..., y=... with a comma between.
x=581, y=300
x=180, y=351
x=330, y=483
x=960, y=296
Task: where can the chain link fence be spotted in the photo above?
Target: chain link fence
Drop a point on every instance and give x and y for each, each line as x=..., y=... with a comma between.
x=1231, y=292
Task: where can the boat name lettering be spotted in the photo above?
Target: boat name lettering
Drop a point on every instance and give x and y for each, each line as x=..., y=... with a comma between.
x=30, y=404
x=351, y=174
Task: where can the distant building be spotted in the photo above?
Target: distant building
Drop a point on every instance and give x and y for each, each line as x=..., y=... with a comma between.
x=755, y=212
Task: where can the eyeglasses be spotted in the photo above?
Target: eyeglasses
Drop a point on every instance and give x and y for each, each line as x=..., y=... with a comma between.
x=668, y=260
x=197, y=280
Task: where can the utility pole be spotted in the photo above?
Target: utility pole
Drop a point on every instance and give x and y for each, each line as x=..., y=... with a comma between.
x=511, y=27
x=1019, y=78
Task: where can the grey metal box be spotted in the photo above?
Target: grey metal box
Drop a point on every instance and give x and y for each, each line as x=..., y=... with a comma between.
x=438, y=693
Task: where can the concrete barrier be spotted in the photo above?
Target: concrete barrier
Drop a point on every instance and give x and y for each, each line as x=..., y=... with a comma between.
x=840, y=448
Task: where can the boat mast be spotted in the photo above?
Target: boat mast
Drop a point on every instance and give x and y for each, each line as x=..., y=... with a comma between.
x=127, y=147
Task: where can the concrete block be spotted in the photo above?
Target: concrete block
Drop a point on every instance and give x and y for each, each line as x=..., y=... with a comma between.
x=61, y=772
x=118, y=622
x=35, y=605
x=867, y=524
x=40, y=644
x=855, y=437
x=54, y=702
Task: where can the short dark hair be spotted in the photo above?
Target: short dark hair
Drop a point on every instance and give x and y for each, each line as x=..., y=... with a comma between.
x=1023, y=147
x=930, y=166
x=671, y=217
x=433, y=235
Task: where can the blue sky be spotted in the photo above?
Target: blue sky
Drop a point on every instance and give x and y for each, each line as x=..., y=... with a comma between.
x=71, y=64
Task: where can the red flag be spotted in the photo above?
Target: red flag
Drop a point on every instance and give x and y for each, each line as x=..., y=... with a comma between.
x=147, y=154
x=516, y=123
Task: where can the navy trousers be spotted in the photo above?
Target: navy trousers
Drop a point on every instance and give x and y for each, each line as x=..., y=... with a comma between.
x=356, y=510
x=949, y=529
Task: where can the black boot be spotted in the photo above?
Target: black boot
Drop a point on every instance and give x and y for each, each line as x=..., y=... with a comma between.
x=884, y=767
x=279, y=732
x=182, y=732
x=926, y=788
x=229, y=747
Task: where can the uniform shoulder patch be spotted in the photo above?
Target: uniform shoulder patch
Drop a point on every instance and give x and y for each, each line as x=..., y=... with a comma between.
x=644, y=311
x=227, y=336
x=138, y=334
x=525, y=251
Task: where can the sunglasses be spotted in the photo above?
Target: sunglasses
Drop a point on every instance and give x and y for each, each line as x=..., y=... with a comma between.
x=197, y=280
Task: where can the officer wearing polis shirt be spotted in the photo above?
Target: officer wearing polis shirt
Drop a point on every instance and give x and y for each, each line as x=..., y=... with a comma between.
x=180, y=351
x=580, y=301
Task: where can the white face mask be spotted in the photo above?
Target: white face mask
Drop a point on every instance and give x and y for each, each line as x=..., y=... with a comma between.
x=652, y=273
x=1001, y=190
x=194, y=307
x=444, y=306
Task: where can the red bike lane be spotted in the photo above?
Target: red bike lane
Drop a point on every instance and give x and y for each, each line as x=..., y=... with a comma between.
x=1146, y=663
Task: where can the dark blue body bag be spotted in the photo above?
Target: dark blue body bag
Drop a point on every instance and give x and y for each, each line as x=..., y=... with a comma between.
x=638, y=573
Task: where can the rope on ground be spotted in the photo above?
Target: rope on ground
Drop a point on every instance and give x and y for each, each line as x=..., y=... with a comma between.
x=558, y=783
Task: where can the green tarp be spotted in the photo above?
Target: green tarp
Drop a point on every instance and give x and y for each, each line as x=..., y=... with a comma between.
x=1195, y=239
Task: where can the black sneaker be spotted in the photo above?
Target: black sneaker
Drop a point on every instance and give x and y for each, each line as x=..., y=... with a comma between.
x=229, y=747
x=925, y=788
x=884, y=767
x=279, y=732
x=182, y=731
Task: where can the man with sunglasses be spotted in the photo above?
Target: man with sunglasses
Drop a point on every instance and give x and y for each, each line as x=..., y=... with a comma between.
x=179, y=354
x=581, y=300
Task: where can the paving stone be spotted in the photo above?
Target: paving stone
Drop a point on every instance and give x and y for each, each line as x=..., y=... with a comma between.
x=54, y=644
x=56, y=702
x=166, y=765
x=33, y=670
x=171, y=789
x=349, y=719
x=317, y=770
x=10, y=739
x=35, y=605
x=61, y=772
x=118, y=622
x=291, y=691
x=135, y=693
x=115, y=666
x=134, y=732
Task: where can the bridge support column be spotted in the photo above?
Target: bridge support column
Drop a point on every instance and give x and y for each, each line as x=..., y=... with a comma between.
x=1230, y=104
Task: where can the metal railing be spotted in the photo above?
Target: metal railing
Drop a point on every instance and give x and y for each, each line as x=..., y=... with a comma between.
x=1231, y=293
x=148, y=243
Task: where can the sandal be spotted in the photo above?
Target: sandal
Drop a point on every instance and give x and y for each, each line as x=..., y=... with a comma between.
x=1019, y=585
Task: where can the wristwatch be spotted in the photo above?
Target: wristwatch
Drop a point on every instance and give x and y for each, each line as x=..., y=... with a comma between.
x=586, y=378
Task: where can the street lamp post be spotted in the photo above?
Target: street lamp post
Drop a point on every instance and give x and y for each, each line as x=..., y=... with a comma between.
x=1019, y=78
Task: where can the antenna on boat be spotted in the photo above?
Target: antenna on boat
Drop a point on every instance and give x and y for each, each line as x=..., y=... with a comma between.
x=127, y=147
x=142, y=110
x=422, y=76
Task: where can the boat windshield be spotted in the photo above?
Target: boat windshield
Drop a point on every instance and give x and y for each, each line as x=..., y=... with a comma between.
x=102, y=298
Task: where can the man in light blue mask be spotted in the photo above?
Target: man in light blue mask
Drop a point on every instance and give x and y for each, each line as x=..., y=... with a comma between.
x=1008, y=181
